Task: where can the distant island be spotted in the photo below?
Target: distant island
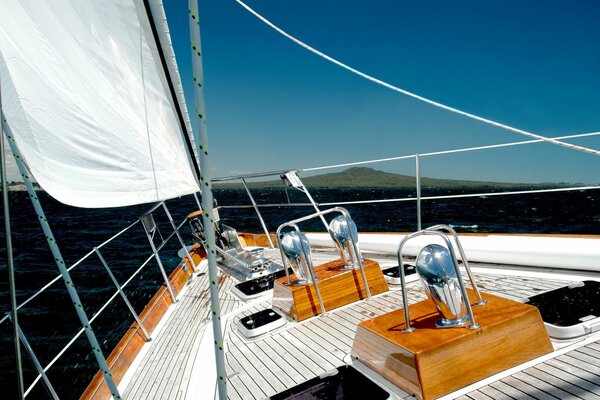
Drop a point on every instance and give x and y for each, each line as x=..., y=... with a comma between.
x=363, y=177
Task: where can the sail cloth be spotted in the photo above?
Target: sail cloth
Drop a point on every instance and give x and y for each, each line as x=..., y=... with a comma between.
x=90, y=103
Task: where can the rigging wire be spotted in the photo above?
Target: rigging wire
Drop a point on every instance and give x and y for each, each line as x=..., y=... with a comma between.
x=413, y=95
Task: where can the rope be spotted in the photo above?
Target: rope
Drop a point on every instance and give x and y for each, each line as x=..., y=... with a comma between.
x=413, y=95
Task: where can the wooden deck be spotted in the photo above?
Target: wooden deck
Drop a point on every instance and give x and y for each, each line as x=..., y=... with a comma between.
x=300, y=351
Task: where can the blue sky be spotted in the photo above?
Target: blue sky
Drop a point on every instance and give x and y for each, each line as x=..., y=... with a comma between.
x=272, y=105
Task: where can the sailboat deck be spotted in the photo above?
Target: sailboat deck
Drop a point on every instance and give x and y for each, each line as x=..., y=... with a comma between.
x=176, y=365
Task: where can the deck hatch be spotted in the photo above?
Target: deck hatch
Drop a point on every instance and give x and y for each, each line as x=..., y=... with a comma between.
x=260, y=322
x=257, y=287
x=392, y=274
x=570, y=311
x=345, y=383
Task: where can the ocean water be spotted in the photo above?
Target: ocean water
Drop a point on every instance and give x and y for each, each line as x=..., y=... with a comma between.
x=49, y=321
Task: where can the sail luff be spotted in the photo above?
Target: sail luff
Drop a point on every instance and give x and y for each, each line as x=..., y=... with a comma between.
x=160, y=30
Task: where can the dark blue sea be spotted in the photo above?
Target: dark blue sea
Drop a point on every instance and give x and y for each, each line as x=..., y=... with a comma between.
x=49, y=321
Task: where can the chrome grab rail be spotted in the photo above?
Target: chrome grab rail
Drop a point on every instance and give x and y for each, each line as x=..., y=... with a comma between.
x=321, y=214
x=463, y=256
x=432, y=231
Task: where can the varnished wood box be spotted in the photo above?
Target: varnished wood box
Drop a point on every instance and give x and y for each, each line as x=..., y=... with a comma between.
x=338, y=287
x=431, y=362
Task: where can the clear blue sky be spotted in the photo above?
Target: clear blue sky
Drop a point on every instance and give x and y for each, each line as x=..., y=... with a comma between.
x=272, y=105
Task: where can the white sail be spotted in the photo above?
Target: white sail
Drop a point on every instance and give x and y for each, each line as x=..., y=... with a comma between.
x=88, y=101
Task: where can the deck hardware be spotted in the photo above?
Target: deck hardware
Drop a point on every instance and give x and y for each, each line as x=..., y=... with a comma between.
x=303, y=253
x=438, y=276
x=345, y=236
x=294, y=246
x=293, y=224
x=480, y=300
x=321, y=214
x=122, y=293
x=260, y=322
x=570, y=311
x=241, y=263
x=450, y=247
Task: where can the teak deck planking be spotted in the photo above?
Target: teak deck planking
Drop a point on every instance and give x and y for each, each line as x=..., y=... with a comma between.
x=303, y=350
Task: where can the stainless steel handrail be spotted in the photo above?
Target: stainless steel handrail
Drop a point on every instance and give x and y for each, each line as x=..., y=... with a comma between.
x=463, y=256
x=254, y=175
x=402, y=199
x=75, y=265
x=119, y=291
x=408, y=328
x=123, y=295
x=92, y=319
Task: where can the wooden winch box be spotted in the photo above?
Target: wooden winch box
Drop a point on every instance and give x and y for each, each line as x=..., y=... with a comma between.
x=338, y=287
x=431, y=362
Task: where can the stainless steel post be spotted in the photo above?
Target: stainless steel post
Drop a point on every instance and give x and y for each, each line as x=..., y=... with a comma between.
x=125, y=299
x=10, y=267
x=37, y=365
x=314, y=279
x=160, y=265
x=282, y=254
x=89, y=332
x=407, y=328
x=418, y=183
x=357, y=253
x=187, y=253
x=262, y=222
x=207, y=197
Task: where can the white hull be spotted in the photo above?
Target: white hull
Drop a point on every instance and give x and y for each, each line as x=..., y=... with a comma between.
x=574, y=253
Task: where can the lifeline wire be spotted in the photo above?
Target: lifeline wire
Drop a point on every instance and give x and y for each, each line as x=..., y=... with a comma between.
x=413, y=95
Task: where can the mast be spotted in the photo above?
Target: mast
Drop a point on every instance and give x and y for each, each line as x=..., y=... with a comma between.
x=10, y=262
x=207, y=198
